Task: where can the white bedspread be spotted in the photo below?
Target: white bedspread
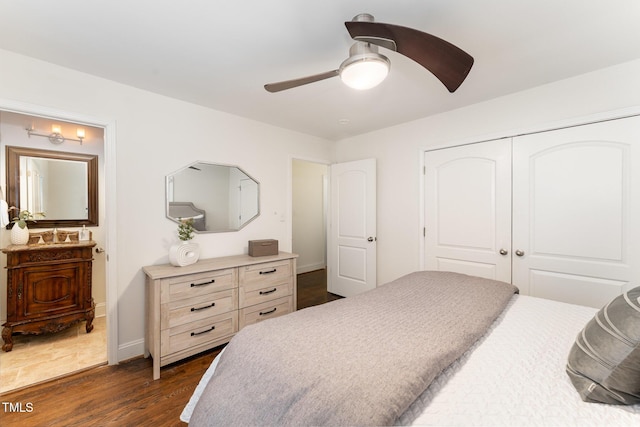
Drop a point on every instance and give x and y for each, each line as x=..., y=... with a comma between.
x=515, y=375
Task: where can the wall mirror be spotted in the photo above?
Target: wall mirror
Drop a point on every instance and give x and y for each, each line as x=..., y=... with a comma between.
x=62, y=185
x=217, y=197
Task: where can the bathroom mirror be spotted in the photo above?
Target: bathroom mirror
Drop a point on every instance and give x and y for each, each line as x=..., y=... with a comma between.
x=62, y=185
x=217, y=197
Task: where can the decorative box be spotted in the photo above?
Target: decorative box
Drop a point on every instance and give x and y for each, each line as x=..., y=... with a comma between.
x=263, y=247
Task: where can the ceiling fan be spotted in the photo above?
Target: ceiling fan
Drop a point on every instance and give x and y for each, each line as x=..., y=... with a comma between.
x=447, y=62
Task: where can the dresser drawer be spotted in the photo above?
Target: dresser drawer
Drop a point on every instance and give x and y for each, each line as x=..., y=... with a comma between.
x=199, y=332
x=256, y=293
x=192, y=285
x=266, y=310
x=191, y=309
x=265, y=273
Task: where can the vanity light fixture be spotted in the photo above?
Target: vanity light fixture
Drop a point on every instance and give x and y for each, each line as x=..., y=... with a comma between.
x=55, y=137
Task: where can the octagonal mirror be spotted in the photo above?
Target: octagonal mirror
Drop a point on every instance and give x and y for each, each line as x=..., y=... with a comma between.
x=219, y=198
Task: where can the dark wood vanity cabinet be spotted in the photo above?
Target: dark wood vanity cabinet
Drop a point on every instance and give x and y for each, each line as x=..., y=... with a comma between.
x=48, y=288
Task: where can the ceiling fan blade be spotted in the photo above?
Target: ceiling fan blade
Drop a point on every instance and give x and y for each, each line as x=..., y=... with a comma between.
x=288, y=84
x=447, y=62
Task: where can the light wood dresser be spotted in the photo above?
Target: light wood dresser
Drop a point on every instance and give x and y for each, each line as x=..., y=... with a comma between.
x=200, y=306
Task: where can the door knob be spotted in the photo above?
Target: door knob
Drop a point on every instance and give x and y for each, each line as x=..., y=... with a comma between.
x=503, y=251
x=99, y=250
x=519, y=252
x=371, y=239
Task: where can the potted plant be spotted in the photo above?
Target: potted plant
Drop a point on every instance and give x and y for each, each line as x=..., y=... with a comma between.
x=186, y=252
x=185, y=230
x=20, y=231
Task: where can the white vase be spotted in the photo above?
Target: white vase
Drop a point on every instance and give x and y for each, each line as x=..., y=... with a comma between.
x=184, y=253
x=19, y=236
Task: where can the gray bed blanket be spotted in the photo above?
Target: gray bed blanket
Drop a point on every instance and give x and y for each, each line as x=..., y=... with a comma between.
x=361, y=360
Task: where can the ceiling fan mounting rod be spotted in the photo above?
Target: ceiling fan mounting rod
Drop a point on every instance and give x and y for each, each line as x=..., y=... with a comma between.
x=363, y=17
x=385, y=42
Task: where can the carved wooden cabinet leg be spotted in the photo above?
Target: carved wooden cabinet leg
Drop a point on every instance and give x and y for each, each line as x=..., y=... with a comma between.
x=90, y=316
x=7, y=338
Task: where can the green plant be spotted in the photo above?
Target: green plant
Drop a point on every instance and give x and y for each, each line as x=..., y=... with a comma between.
x=185, y=229
x=24, y=216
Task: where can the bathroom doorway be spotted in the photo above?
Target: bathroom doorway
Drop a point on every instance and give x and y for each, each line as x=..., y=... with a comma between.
x=37, y=358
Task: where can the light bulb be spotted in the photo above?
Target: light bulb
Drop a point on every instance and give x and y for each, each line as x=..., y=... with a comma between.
x=364, y=74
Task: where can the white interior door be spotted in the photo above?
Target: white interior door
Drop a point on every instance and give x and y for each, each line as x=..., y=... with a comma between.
x=351, y=247
x=468, y=209
x=576, y=210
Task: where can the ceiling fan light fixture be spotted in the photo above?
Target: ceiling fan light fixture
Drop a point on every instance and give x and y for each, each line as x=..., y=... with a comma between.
x=365, y=68
x=365, y=73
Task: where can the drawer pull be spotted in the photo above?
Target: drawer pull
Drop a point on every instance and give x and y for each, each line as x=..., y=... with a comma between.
x=269, y=271
x=268, y=292
x=213, y=304
x=193, y=285
x=264, y=313
x=195, y=334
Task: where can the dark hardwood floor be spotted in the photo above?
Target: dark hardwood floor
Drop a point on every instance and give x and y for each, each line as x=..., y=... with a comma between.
x=122, y=395
x=312, y=289
x=126, y=395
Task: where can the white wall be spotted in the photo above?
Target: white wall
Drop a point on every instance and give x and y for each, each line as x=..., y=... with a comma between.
x=156, y=135
x=399, y=149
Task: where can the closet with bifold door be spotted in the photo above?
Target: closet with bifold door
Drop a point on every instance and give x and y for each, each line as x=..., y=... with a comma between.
x=556, y=213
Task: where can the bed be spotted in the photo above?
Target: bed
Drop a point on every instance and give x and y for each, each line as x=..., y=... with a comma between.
x=187, y=210
x=513, y=372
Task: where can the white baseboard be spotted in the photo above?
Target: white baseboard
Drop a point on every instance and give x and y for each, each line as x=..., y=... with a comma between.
x=101, y=309
x=307, y=268
x=130, y=350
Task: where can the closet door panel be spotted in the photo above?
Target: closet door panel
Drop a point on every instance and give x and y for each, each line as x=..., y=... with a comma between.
x=468, y=209
x=575, y=220
x=574, y=289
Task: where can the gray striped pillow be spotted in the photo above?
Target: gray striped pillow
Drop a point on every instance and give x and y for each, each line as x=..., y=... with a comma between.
x=604, y=362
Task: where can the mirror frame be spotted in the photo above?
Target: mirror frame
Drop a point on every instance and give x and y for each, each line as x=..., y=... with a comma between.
x=13, y=184
x=166, y=192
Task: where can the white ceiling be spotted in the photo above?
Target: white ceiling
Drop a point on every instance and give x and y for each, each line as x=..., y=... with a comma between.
x=219, y=54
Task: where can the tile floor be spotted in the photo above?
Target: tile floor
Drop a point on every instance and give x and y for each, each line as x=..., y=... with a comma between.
x=37, y=358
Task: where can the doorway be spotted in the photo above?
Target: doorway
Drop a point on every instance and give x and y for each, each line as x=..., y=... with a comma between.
x=309, y=230
x=37, y=358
